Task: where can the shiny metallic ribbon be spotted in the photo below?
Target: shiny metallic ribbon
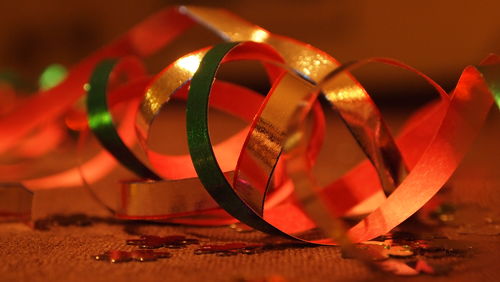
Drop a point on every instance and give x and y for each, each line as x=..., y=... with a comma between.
x=277, y=128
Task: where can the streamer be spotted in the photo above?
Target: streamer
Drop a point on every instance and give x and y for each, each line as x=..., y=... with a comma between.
x=252, y=174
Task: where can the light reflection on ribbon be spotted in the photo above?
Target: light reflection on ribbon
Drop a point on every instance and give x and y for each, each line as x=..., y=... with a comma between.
x=431, y=160
x=440, y=149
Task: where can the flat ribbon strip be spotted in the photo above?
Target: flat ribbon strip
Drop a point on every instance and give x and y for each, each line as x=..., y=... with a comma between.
x=15, y=202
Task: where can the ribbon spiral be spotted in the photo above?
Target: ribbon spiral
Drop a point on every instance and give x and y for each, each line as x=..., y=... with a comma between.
x=262, y=175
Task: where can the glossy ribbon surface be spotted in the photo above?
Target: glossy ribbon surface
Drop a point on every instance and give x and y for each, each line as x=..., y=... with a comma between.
x=250, y=175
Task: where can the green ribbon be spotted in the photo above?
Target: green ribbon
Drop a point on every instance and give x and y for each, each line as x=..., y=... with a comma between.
x=491, y=74
x=101, y=122
x=200, y=146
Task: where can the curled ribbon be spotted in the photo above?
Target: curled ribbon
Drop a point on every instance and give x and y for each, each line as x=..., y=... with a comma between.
x=274, y=155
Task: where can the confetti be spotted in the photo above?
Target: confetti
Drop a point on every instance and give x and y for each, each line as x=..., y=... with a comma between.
x=156, y=242
x=115, y=256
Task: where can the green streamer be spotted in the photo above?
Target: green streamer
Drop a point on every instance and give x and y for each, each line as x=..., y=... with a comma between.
x=200, y=146
x=101, y=122
x=491, y=74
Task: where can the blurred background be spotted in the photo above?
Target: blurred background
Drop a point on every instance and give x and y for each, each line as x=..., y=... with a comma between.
x=438, y=37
